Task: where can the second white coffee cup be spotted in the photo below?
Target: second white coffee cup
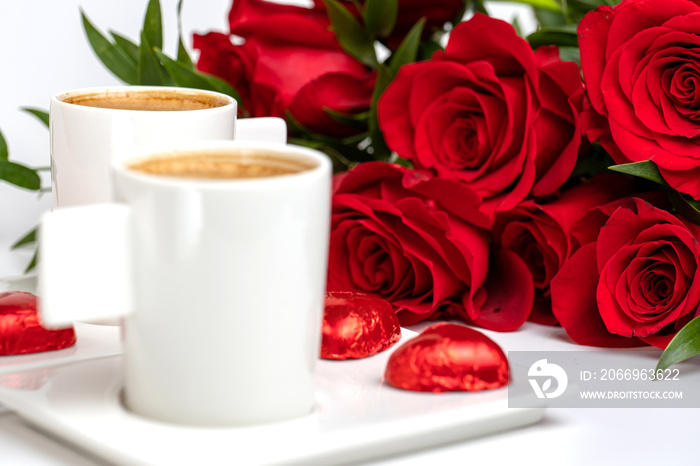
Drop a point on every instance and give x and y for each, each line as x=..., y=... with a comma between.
x=91, y=127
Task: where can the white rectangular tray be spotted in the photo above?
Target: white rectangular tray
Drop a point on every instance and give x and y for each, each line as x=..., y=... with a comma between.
x=357, y=417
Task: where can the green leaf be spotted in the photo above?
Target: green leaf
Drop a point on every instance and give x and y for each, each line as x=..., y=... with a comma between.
x=350, y=34
x=645, y=169
x=29, y=238
x=557, y=35
x=184, y=76
x=400, y=161
x=596, y=161
x=347, y=145
x=478, y=7
x=549, y=19
x=131, y=49
x=153, y=24
x=380, y=150
x=380, y=16
x=408, y=49
x=688, y=208
x=182, y=56
x=550, y=5
x=384, y=77
x=19, y=175
x=426, y=49
x=219, y=85
x=150, y=70
x=42, y=115
x=587, y=5
x=33, y=262
x=570, y=54
x=684, y=345
x=457, y=18
x=4, y=151
x=516, y=25
x=113, y=57
x=358, y=119
x=343, y=154
x=340, y=162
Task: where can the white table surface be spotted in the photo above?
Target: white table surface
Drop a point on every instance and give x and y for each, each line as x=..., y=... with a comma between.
x=563, y=437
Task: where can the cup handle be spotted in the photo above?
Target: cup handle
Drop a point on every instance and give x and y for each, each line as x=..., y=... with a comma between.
x=85, y=264
x=263, y=129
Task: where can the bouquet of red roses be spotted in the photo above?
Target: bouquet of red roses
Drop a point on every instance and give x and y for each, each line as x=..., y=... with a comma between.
x=483, y=175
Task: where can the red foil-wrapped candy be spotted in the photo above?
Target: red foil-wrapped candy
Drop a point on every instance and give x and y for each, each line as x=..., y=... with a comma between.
x=448, y=357
x=356, y=325
x=21, y=331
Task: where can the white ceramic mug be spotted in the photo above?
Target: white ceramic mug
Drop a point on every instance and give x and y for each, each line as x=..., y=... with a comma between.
x=222, y=283
x=91, y=127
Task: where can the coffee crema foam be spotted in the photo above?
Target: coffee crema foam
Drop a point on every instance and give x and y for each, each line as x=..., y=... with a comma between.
x=150, y=100
x=220, y=166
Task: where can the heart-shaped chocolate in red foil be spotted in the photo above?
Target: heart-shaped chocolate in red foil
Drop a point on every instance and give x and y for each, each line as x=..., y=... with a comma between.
x=20, y=328
x=357, y=325
x=448, y=357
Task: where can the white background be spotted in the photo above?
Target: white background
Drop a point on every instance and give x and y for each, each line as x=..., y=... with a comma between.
x=43, y=50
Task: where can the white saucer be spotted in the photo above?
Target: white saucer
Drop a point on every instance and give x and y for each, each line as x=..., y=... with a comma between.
x=93, y=341
x=357, y=417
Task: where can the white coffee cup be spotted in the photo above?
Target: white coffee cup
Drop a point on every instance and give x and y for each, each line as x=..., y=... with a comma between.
x=221, y=281
x=91, y=127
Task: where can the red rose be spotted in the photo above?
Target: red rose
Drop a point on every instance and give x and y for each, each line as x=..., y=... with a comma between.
x=636, y=282
x=436, y=13
x=641, y=65
x=488, y=112
x=421, y=243
x=290, y=61
x=540, y=233
x=218, y=56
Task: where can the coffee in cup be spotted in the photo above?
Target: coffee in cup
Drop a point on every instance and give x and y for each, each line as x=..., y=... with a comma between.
x=148, y=99
x=220, y=165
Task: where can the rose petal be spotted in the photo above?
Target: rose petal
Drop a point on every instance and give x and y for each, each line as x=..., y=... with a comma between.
x=285, y=23
x=339, y=92
x=574, y=302
x=505, y=301
x=593, y=30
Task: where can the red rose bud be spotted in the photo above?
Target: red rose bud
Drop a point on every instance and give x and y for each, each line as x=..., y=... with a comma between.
x=448, y=357
x=356, y=325
x=20, y=328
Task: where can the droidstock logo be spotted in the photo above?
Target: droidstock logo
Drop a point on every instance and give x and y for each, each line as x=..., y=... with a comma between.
x=542, y=373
